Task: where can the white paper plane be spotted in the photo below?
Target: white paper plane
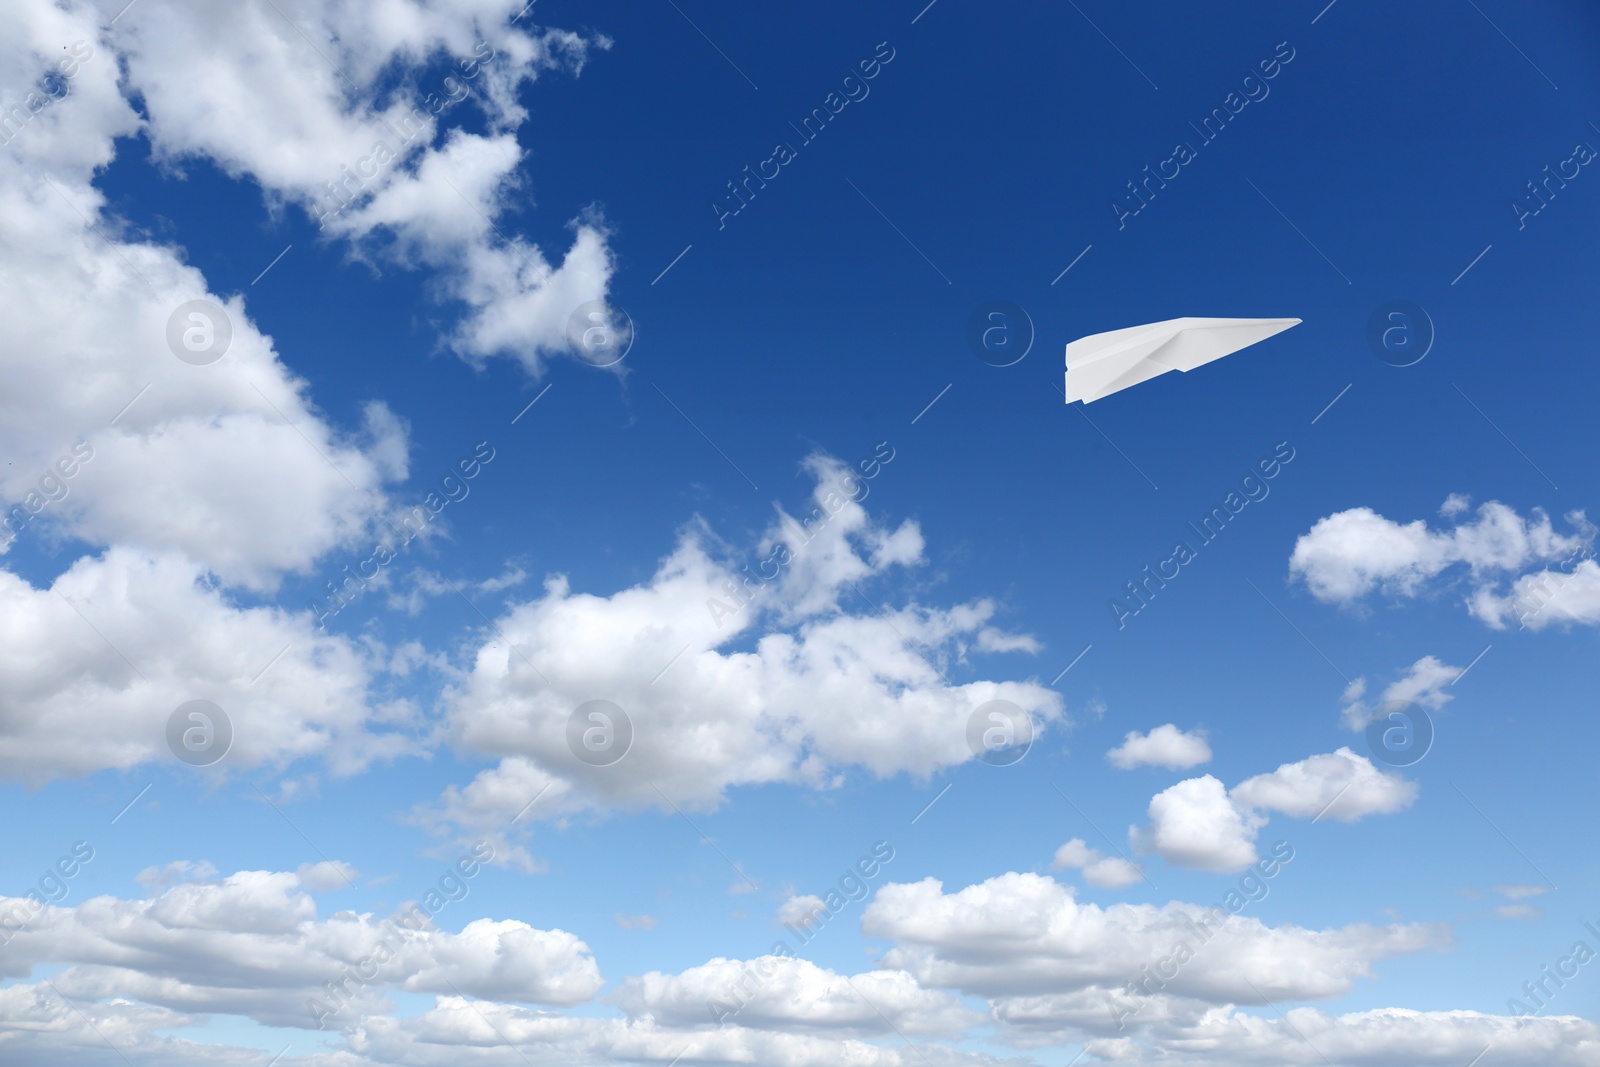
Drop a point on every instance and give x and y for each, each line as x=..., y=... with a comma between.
x=1106, y=363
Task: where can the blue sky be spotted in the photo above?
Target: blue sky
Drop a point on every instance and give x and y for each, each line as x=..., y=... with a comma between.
x=821, y=329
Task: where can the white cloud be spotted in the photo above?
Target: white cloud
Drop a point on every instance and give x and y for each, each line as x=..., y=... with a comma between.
x=799, y=910
x=1102, y=872
x=1053, y=970
x=421, y=585
x=1517, y=894
x=158, y=878
x=1074, y=854
x=303, y=107
x=439, y=1037
x=76, y=705
x=185, y=475
x=508, y=792
x=1194, y=1036
x=1026, y=935
x=993, y=640
x=1339, y=784
x=211, y=460
x=794, y=996
x=1424, y=683
x=507, y=960
x=509, y=578
x=1561, y=596
x=327, y=875
x=794, y=687
x=1351, y=554
x=227, y=464
x=1195, y=824
x=1200, y=823
x=231, y=474
x=44, y=1030
x=1521, y=892
x=801, y=1020
x=1165, y=746
x=252, y=944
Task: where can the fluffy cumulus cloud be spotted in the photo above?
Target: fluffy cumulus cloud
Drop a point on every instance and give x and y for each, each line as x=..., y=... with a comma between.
x=798, y=910
x=355, y=113
x=231, y=463
x=1353, y=554
x=1051, y=970
x=1165, y=746
x=46, y=1030
x=1102, y=872
x=456, y=1030
x=1196, y=824
x=1201, y=823
x=325, y=876
x=1339, y=785
x=1385, y=1037
x=1024, y=935
x=726, y=679
x=795, y=996
x=1562, y=596
x=94, y=666
x=252, y=944
x=1424, y=683
x=112, y=438
x=186, y=479
x=184, y=494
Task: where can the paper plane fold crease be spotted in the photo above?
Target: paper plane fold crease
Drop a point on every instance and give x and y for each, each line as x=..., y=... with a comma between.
x=1106, y=363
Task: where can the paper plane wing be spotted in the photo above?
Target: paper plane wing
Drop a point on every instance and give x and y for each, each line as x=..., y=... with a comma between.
x=1105, y=363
